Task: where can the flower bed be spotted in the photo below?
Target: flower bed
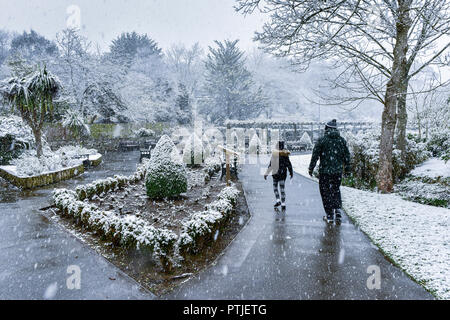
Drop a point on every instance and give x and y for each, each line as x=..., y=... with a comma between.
x=133, y=231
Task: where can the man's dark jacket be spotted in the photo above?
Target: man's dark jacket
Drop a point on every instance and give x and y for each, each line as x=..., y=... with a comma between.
x=332, y=151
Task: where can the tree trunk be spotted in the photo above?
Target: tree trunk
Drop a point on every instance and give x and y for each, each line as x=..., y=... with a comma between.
x=385, y=181
x=402, y=114
x=384, y=175
x=38, y=137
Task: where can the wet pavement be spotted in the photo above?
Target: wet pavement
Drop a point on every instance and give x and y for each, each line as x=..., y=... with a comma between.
x=38, y=257
x=296, y=255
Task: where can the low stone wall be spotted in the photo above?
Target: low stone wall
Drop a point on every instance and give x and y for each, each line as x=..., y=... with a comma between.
x=48, y=178
x=42, y=180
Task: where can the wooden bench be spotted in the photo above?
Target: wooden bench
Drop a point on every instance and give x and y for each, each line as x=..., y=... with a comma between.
x=296, y=146
x=144, y=154
x=128, y=146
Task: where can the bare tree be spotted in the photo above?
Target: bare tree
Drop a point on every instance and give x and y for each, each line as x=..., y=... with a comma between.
x=74, y=54
x=186, y=65
x=379, y=46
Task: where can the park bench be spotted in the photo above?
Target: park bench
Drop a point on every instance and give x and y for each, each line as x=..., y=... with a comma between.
x=296, y=146
x=128, y=146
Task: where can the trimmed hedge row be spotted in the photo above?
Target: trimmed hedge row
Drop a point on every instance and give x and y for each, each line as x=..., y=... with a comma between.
x=203, y=225
x=128, y=231
x=103, y=186
x=131, y=231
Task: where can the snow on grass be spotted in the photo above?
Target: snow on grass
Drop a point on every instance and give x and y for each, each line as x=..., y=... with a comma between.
x=300, y=164
x=432, y=168
x=415, y=236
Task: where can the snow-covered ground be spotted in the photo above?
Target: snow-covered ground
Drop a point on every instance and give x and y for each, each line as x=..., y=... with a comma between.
x=432, y=168
x=415, y=236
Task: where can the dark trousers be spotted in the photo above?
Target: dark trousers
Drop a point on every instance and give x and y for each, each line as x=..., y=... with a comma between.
x=329, y=190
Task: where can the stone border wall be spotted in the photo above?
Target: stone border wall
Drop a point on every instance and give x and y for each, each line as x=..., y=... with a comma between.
x=42, y=180
x=47, y=178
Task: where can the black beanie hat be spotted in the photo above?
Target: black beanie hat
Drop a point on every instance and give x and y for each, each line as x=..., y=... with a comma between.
x=280, y=145
x=331, y=124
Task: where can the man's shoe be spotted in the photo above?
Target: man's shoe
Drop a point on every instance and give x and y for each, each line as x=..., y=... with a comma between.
x=283, y=207
x=339, y=213
x=277, y=204
x=328, y=218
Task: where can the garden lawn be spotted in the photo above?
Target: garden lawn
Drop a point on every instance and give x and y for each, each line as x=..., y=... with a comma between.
x=414, y=236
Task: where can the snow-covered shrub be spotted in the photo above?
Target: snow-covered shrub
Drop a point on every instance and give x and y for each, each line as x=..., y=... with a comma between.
x=439, y=144
x=434, y=194
x=144, y=132
x=165, y=148
x=73, y=121
x=15, y=136
x=166, y=175
x=306, y=139
x=193, y=152
x=254, y=145
x=212, y=165
x=364, y=150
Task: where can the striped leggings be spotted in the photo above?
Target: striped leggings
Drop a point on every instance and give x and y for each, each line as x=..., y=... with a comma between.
x=275, y=190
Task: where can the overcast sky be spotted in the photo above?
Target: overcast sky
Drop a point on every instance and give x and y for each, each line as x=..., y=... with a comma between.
x=166, y=21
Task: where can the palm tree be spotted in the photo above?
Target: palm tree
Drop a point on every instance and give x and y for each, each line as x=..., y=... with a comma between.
x=32, y=95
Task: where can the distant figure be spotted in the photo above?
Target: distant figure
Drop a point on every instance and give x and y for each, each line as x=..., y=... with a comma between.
x=279, y=165
x=333, y=153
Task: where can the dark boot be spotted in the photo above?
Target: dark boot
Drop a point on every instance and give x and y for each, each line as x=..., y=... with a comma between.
x=329, y=218
x=339, y=213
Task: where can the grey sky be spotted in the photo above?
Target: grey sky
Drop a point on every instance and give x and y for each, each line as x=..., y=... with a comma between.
x=166, y=21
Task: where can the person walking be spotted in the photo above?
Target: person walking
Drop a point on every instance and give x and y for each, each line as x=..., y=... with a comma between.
x=334, y=156
x=278, y=166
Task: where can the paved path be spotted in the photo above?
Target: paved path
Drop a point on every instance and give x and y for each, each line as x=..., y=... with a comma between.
x=35, y=253
x=296, y=256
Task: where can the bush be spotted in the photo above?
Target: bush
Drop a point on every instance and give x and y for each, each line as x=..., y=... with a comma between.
x=193, y=152
x=166, y=175
x=306, y=139
x=364, y=150
x=439, y=144
x=144, y=132
x=15, y=137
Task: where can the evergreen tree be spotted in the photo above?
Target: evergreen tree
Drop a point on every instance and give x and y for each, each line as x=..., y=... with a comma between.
x=228, y=84
x=33, y=46
x=128, y=46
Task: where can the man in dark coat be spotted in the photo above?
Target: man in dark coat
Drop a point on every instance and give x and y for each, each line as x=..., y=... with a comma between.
x=279, y=165
x=332, y=151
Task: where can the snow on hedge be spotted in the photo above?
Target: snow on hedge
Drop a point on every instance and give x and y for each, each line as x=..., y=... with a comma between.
x=193, y=152
x=111, y=184
x=128, y=231
x=133, y=231
x=205, y=223
x=166, y=175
